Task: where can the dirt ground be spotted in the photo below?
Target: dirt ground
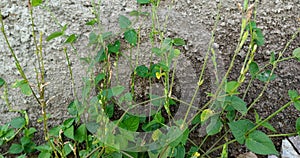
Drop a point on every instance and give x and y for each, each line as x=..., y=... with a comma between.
x=191, y=20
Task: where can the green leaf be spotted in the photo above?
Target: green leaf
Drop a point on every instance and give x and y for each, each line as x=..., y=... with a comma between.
x=180, y=151
x=193, y=150
x=230, y=115
x=155, y=101
x=298, y=126
x=167, y=44
x=36, y=2
x=101, y=56
x=18, y=122
x=3, y=129
x=24, y=86
x=154, y=124
x=254, y=69
x=93, y=38
x=80, y=133
x=29, y=132
x=251, y=24
x=214, y=126
x=72, y=109
x=272, y=58
x=231, y=87
x=157, y=51
x=143, y=1
x=182, y=139
x=296, y=53
x=21, y=156
x=25, y=140
x=178, y=42
x=293, y=94
x=92, y=22
x=237, y=103
x=131, y=37
x=67, y=149
x=258, y=37
x=2, y=82
x=99, y=78
x=44, y=148
x=126, y=97
x=117, y=90
x=240, y=128
x=196, y=119
x=265, y=76
x=9, y=134
x=109, y=110
x=176, y=52
x=114, y=48
x=15, y=149
x=297, y=105
x=30, y=147
x=54, y=35
x=106, y=35
x=269, y=126
x=124, y=22
x=134, y=13
x=45, y=155
x=131, y=123
x=259, y=143
x=159, y=118
x=67, y=123
x=92, y=127
x=54, y=131
x=142, y=71
x=137, y=13
x=154, y=68
x=71, y=39
x=69, y=132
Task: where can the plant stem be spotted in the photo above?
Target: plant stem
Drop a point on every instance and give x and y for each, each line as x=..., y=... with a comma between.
x=18, y=65
x=270, y=116
x=71, y=72
x=283, y=135
x=204, y=66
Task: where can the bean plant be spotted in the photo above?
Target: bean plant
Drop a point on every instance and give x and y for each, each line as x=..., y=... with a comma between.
x=110, y=129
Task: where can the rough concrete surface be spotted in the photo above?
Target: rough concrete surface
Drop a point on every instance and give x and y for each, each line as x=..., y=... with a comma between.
x=191, y=20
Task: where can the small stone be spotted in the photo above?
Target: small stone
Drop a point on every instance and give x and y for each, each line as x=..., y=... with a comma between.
x=287, y=148
x=216, y=45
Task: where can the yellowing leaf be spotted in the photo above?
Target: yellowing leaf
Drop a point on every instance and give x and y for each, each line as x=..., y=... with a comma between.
x=156, y=134
x=159, y=75
x=206, y=114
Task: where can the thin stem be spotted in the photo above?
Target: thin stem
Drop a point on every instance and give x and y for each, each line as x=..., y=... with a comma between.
x=270, y=116
x=204, y=65
x=218, y=147
x=15, y=58
x=71, y=72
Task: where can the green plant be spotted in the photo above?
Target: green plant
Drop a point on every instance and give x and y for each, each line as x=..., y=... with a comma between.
x=109, y=134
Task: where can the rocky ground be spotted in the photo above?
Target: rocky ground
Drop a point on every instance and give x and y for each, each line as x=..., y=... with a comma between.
x=191, y=20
